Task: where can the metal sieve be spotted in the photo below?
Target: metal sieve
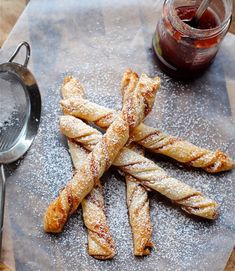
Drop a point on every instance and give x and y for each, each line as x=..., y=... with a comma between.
x=20, y=110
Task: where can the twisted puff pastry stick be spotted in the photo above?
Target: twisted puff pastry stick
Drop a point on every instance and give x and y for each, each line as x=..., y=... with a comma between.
x=138, y=203
x=100, y=241
x=151, y=138
x=139, y=213
x=145, y=170
x=100, y=159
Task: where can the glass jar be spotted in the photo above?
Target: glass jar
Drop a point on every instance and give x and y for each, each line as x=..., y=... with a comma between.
x=184, y=51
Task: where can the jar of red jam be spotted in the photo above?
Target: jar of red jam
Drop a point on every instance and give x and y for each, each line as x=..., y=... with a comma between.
x=184, y=50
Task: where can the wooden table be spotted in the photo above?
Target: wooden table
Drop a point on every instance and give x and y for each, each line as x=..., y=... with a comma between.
x=232, y=27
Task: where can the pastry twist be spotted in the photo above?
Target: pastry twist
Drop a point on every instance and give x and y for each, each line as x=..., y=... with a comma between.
x=100, y=241
x=138, y=203
x=139, y=212
x=145, y=170
x=100, y=159
x=152, y=138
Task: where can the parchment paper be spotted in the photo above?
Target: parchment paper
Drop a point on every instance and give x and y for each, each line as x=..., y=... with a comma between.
x=98, y=40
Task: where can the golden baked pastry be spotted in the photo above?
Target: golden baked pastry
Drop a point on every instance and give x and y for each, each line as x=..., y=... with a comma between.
x=71, y=88
x=152, y=138
x=100, y=241
x=139, y=212
x=137, y=201
x=143, y=169
x=100, y=159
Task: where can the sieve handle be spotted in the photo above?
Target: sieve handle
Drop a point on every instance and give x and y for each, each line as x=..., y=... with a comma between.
x=27, y=56
x=2, y=204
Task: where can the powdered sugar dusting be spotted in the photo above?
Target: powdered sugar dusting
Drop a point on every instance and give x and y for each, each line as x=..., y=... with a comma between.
x=8, y=105
x=179, y=239
x=99, y=43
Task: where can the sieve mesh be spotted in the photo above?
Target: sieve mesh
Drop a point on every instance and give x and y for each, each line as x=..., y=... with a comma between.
x=13, y=110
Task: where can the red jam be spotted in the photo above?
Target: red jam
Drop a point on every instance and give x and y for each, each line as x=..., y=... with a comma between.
x=184, y=50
